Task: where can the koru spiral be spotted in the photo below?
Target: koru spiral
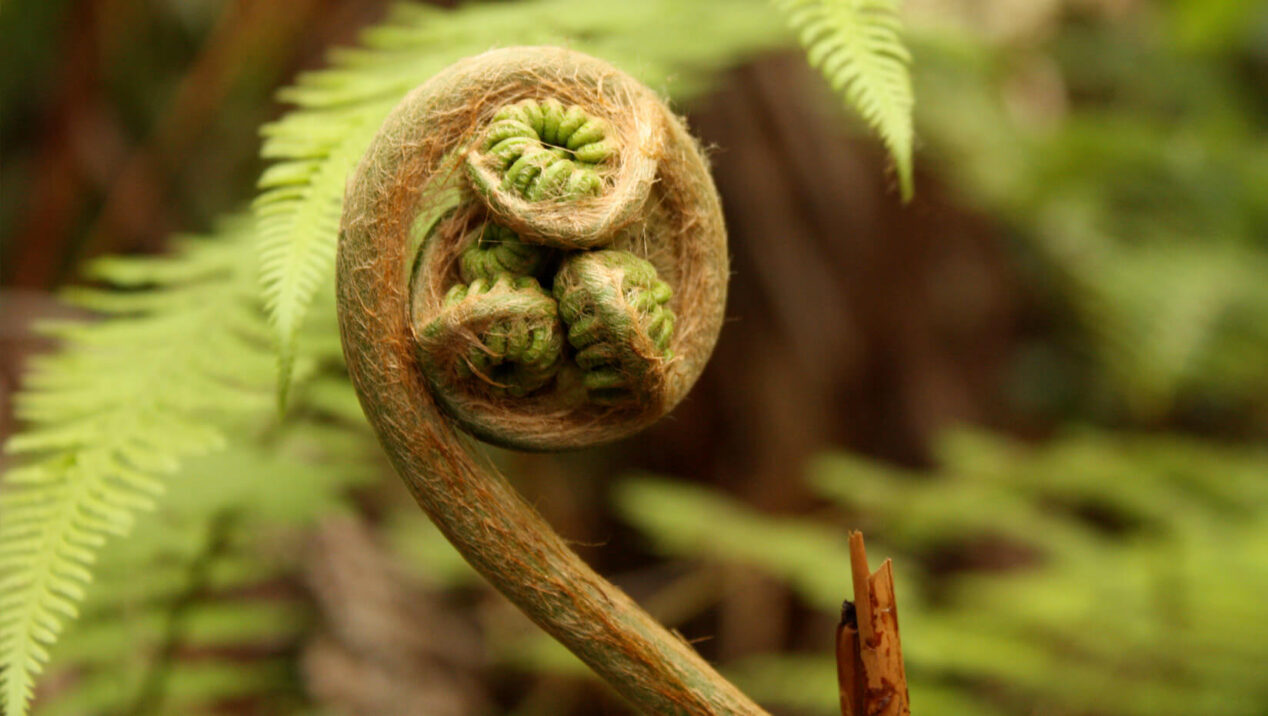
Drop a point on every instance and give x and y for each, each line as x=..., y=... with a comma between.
x=561, y=244
x=532, y=251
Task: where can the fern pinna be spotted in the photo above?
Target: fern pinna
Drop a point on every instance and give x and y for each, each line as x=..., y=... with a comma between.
x=182, y=361
x=202, y=592
x=856, y=44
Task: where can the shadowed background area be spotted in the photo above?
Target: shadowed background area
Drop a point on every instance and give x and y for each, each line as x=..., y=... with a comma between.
x=1039, y=386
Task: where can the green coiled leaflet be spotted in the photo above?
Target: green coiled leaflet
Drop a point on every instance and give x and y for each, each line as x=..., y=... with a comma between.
x=615, y=306
x=509, y=332
x=547, y=151
x=496, y=250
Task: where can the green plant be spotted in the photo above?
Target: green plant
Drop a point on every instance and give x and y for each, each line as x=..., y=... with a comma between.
x=183, y=364
x=1094, y=570
x=391, y=280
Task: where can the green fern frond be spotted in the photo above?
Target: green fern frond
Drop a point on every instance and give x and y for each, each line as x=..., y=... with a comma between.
x=340, y=109
x=189, y=578
x=109, y=417
x=857, y=46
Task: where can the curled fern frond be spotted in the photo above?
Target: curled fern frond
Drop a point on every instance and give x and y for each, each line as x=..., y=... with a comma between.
x=495, y=250
x=109, y=417
x=501, y=334
x=857, y=47
x=617, y=311
x=339, y=109
x=396, y=292
x=547, y=151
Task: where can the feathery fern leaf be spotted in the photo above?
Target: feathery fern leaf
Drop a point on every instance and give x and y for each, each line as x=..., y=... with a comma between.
x=857, y=47
x=298, y=213
x=111, y=415
x=340, y=109
x=199, y=577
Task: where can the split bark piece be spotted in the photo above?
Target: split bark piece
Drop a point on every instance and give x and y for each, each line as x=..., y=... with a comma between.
x=870, y=670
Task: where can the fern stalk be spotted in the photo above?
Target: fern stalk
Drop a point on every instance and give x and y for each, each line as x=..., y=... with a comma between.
x=400, y=381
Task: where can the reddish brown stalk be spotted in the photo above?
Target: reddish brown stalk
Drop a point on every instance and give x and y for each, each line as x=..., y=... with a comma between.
x=870, y=669
x=474, y=506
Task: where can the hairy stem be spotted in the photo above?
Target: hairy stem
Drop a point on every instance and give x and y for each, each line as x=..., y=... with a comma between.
x=488, y=521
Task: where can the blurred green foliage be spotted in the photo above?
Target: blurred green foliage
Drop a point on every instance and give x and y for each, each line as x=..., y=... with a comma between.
x=1129, y=159
x=1116, y=573
x=199, y=606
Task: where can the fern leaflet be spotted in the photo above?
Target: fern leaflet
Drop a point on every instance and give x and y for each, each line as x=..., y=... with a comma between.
x=197, y=594
x=298, y=215
x=857, y=47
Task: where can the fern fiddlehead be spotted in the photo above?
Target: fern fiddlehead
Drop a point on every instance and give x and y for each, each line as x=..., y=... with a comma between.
x=439, y=338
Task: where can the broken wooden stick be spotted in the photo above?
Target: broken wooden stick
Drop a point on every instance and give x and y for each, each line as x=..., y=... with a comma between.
x=870, y=670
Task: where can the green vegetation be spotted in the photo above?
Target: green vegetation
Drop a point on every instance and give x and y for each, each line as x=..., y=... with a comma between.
x=1117, y=577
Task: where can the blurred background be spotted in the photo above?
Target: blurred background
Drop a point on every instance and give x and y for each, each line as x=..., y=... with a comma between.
x=1041, y=387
